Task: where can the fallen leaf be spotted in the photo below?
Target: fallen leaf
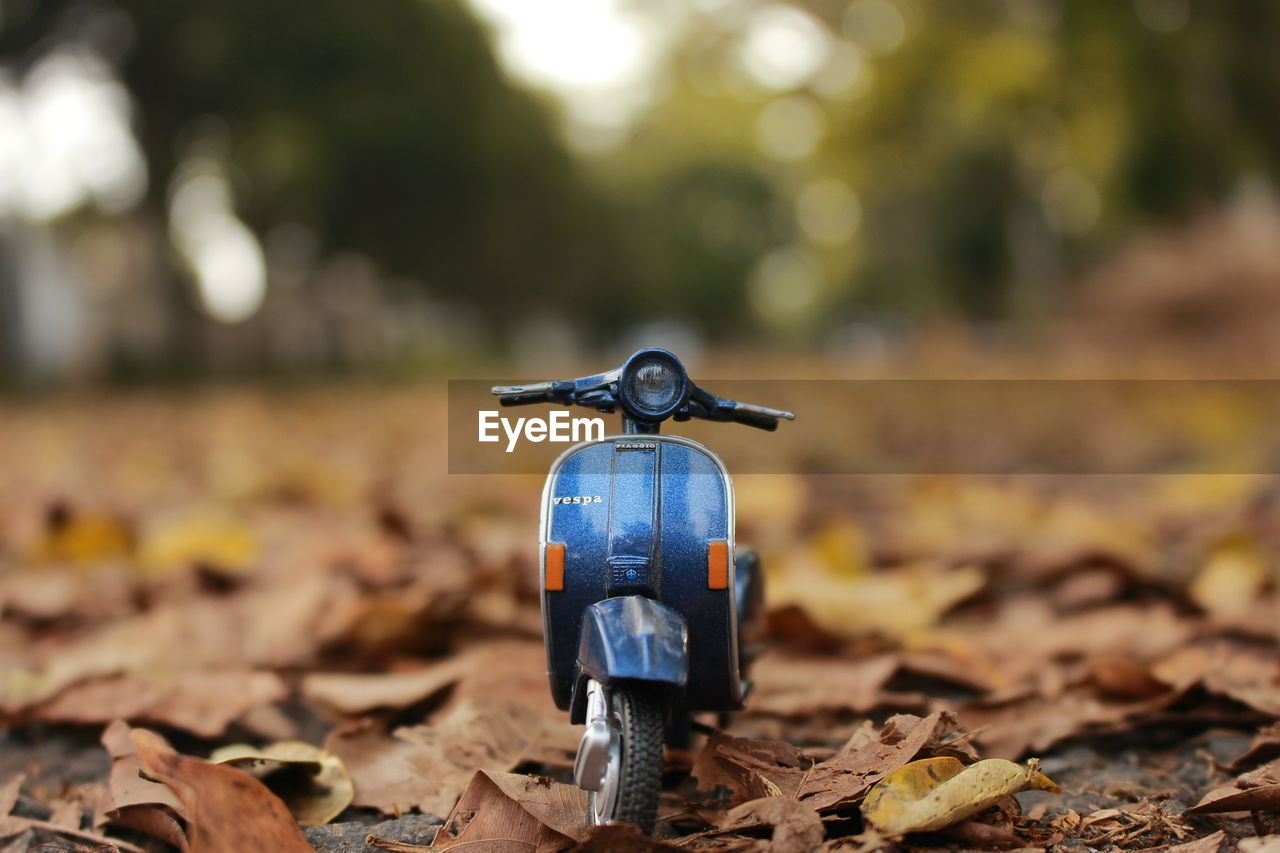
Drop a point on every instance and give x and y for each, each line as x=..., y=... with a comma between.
x=844, y=778
x=1208, y=844
x=899, y=602
x=795, y=825
x=499, y=809
x=620, y=838
x=1264, y=798
x=1265, y=746
x=135, y=802
x=202, y=702
x=81, y=537
x=207, y=537
x=9, y=793
x=749, y=767
x=359, y=693
x=427, y=766
x=1262, y=844
x=934, y=793
x=489, y=670
x=983, y=836
x=312, y=782
x=228, y=810
x=1233, y=574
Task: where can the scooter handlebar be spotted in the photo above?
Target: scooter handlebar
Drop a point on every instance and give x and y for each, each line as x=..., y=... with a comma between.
x=760, y=417
x=713, y=408
x=535, y=392
x=599, y=392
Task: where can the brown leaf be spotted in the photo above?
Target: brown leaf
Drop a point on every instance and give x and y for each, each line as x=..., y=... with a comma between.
x=1120, y=676
x=1208, y=844
x=229, y=811
x=796, y=826
x=202, y=702
x=9, y=793
x=427, y=766
x=844, y=779
x=1265, y=746
x=791, y=686
x=135, y=802
x=353, y=694
x=493, y=670
x=748, y=767
x=529, y=811
x=983, y=836
x=1263, y=798
x=620, y=838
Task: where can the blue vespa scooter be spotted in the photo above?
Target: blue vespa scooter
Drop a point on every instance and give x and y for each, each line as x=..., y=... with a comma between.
x=647, y=607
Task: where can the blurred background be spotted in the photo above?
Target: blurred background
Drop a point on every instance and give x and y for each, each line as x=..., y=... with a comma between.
x=243, y=244
x=202, y=189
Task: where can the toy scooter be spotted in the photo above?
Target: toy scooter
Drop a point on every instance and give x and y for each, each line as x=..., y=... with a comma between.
x=647, y=607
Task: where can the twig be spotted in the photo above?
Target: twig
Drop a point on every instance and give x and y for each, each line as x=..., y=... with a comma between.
x=406, y=847
x=80, y=834
x=398, y=846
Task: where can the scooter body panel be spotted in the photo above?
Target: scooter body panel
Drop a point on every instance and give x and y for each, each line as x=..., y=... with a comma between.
x=637, y=515
x=630, y=637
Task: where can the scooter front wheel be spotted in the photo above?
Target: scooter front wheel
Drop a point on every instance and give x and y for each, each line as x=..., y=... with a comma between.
x=632, y=779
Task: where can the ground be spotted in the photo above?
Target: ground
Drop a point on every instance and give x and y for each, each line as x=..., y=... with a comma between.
x=183, y=572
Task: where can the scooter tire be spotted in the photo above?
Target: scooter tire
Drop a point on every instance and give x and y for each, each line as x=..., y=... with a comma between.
x=639, y=712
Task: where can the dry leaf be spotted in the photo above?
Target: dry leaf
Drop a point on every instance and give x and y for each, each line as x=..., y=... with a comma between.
x=750, y=768
x=796, y=827
x=1263, y=844
x=1265, y=746
x=899, y=602
x=513, y=670
x=1208, y=844
x=844, y=778
x=228, y=810
x=934, y=793
x=620, y=838
x=427, y=766
x=135, y=802
x=1263, y=798
x=209, y=538
x=9, y=793
x=313, y=783
x=77, y=537
x=531, y=811
x=202, y=702
x=1232, y=576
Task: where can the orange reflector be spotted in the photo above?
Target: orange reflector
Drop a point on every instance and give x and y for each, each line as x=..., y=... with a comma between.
x=553, y=573
x=717, y=564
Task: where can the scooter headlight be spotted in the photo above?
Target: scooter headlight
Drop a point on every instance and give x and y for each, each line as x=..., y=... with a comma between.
x=653, y=384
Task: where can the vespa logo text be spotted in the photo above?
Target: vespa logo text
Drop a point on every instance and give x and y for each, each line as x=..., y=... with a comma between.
x=558, y=426
x=579, y=499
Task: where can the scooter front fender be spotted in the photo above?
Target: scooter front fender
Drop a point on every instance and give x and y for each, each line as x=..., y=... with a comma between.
x=630, y=638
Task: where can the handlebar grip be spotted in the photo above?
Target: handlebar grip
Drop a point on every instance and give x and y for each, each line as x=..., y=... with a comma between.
x=754, y=418
x=525, y=398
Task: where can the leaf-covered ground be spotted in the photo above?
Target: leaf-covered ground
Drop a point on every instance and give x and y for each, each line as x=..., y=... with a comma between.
x=182, y=573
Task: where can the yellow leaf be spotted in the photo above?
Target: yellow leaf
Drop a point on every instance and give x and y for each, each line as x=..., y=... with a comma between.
x=900, y=603
x=83, y=539
x=1231, y=577
x=313, y=782
x=210, y=537
x=934, y=793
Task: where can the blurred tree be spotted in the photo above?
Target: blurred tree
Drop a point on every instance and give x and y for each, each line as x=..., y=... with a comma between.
x=914, y=158
x=385, y=129
x=995, y=148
